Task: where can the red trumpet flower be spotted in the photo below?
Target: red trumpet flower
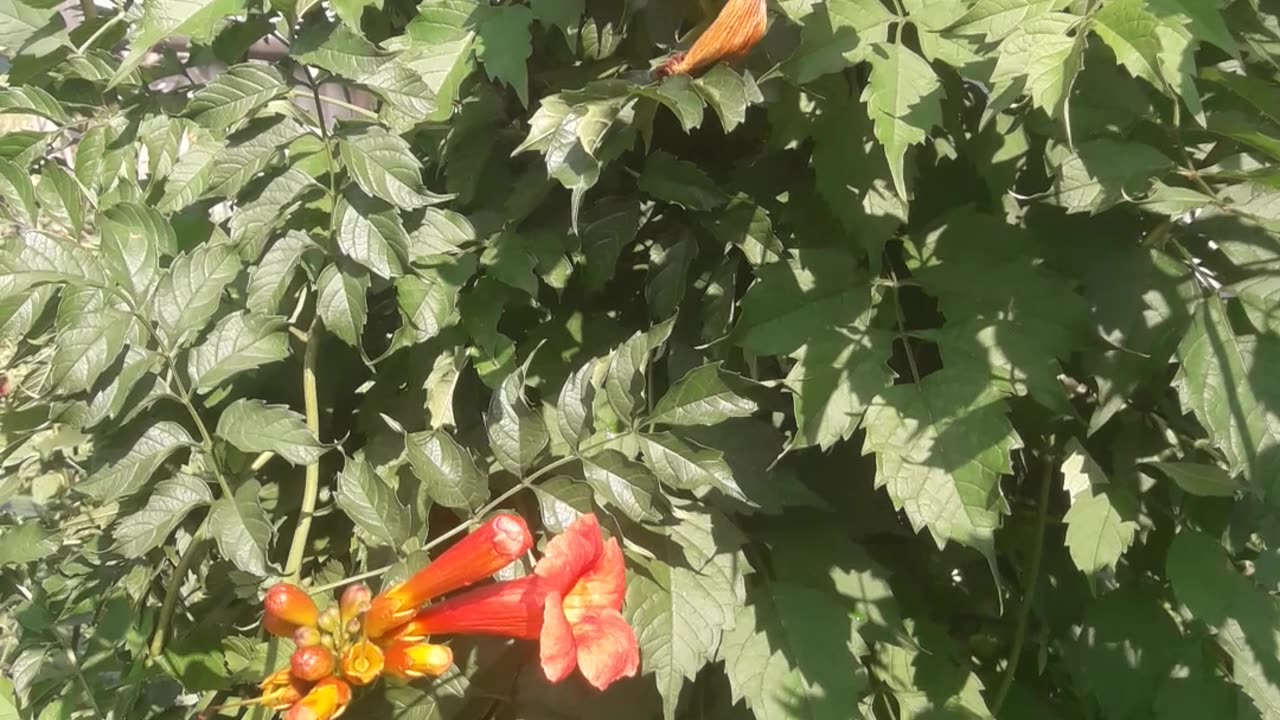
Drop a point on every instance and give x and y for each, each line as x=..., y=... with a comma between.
x=287, y=608
x=496, y=544
x=326, y=701
x=409, y=661
x=738, y=27
x=571, y=602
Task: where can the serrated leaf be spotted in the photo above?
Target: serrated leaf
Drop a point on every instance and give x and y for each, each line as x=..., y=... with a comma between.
x=1221, y=381
x=31, y=258
x=1260, y=296
x=706, y=395
x=19, y=22
x=235, y=95
x=833, y=382
x=341, y=303
x=1199, y=478
x=86, y=346
x=686, y=465
x=270, y=278
x=371, y=504
x=254, y=220
x=254, y=426
x=729, y=94
x=516, y=433
x=188, y=294
x=574, y=406
x=800, y=300
x=174, y=18
x=189, y=178
x=168, y=506
x=503, y=44
x=1100, y=529
x=681, y=603
x=125, y=473
x=677, y=93
x=624, y=484
x=912, y=675
x=18, y=313
x=33, y=100
x=371, y=232
x=384, y=167
x=748, y=226
x=668, y=178
x=629, y=365
x=1103, y=172
x=18, y=193
x=1042, y=54
x=792, y=653
x=132, y=238
x=940, y=451
x=428, y=298
x=903, y=100
x=441, y=38
x=248, y=153
x=242, y=529
x=408, y=100
x=62, y=198
x=561, y=501
x=447, y=470
x=442, y=232
x=998, y=19
x=240, y=341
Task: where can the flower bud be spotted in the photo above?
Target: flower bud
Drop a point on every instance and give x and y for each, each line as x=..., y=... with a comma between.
x=326, y=701
x=353, y=627
x=289, y=604
x=327, y=641
x=362, y=663
x=306, y=637
x=311, y=663
x=354, y=602
x=408, y=661
x=330, y=620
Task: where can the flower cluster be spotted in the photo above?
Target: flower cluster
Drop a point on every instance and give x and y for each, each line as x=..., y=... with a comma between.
x=571, y=603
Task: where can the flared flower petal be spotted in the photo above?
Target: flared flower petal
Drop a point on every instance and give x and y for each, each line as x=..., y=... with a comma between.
x=556, y=648
x=409, y=661
x=602, y=586
x=288, y=605
x=571, y=554
x=326, y=701
x=362, y=663
x=738, y=27
x=607, y=648
x=495, y=545
x=280, y=690
x=508, y=609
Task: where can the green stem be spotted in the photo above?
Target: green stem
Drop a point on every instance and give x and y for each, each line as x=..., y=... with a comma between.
x=97, y=34
x=463, y=527
x=311, y=486
x=318, y=98
x=194, y=552
x=1032, y=581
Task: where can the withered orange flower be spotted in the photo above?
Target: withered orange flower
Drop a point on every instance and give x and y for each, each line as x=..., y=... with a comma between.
x=287, y=608
x=326, y=701
x=280, y=690
x=362, y=663
x=495, y=545
x=737, y=29
x=571, y=603
x=409, y=661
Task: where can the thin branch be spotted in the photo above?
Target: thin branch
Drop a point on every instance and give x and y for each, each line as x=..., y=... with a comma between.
x=902, y=323
x=318, y=98
x=194, y=552
x=311, y=485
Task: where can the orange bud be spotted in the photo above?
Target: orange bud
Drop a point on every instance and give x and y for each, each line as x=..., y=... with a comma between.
x=306, y=637
x=281, y=689
x=290, y=604
x=278, y=627
x=408, y=661
x=312, y=663
x=738, y=27
x=354, y=602
x=362, y=663
x=326, y=701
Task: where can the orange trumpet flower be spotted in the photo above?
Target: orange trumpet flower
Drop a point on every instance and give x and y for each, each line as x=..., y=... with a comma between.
x=409, y=661
x=571, y=602
x=495, y=545
x=362, y=663
x=326, y=701
x=737, y=29
x=281, y=689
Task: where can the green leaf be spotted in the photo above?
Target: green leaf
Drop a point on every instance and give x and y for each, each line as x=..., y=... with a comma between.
x=370, y=232
x=1100, y=529
x=706, y=395
x=441, y=39
x=561, y=501
x=62, y=198
x=678, y=94
x=248, y=153
x=31, y=258
x=912, y=676
x=254, y=220
x=384, y=167
x=833, y=382
x=624, y=484
x=447, y=470
x=1199, y=478
x=564, y=14
x=20, y=21
x=18, y=193
x=903, y=100
x=132, y=237
x=1103, y=172
x=668, y=178
x=683, y=601
x=1260, y=296
x=242, y=529
x=940, y=451
x=792, y=653
x=686, y=465
x=574, y=407
x=191, y=175
x=188, y=295
x=341, y=303
x=240, y=341
x=428, y=298
x=18, y=313
x=442, y=232
x=802, y=299
x=269, y=279
x=1223, y=382
x=836, y=34
x=408, y=100
x=33, y=100
x=998, y=19
x=86, y=346
x=254, y=426
x=517, y=434
x=162, y=19
x=236, y=95
x=26, y=543
x=371, y=504
x=747, y=225
x=729, y=94
x=123, y=473
x=168, y=506
x=629, y=365
x=668, y=277
x=504, y=45
x=1119, y=626
x=1039, y=52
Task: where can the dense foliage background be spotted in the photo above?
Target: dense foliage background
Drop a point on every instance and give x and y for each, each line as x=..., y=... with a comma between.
x=927, y=363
